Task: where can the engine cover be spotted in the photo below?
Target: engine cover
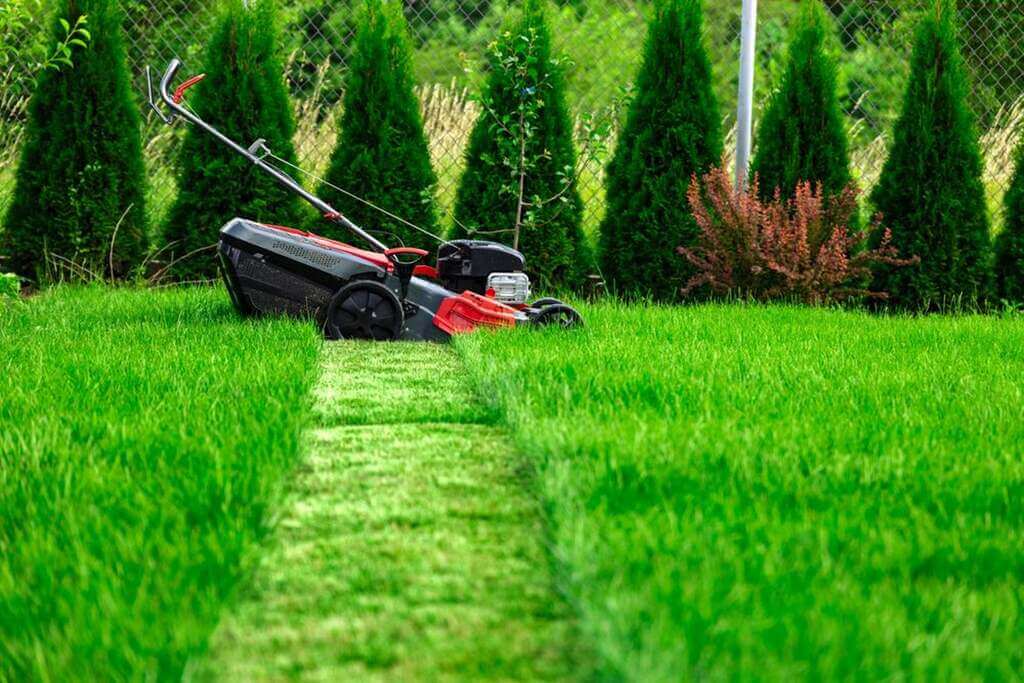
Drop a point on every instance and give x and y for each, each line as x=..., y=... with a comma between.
x=466, y=264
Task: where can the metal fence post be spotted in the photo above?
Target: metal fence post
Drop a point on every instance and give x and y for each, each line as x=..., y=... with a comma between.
x=745, y=108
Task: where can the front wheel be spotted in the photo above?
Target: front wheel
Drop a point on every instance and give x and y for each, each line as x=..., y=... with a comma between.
x=558, y=315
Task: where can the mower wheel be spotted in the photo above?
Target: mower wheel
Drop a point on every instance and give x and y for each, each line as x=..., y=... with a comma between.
x=364, y=310
x=558, y=315
x=547, y=301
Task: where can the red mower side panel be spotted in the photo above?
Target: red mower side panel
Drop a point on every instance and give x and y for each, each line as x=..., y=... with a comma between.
x=469, y=310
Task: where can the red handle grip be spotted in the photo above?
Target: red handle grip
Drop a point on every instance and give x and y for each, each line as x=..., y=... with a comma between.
x=412, y=251
x=179, y=93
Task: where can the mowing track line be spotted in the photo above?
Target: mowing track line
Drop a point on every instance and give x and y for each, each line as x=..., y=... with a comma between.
x=409, y=547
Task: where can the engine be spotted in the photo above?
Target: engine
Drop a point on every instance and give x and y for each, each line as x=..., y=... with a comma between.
x=486, y=268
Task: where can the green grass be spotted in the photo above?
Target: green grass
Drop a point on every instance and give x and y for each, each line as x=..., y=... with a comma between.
x=729, y=492
x=407, y=550
x=142, y=437
x=778, y=493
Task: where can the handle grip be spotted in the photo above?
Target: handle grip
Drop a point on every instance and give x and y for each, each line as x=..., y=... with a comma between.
x=179, y=93
x=406, y=251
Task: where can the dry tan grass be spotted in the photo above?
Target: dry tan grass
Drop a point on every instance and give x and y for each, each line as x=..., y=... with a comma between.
x=449, y=113
x=998, y=145
x=13, y=105
x=1000, y=142
x=316, y=125
x=867, y=161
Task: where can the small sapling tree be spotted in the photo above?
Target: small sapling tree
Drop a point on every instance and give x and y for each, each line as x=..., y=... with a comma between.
x=520, y=182
x=244, y=95
x=930, y=192
x=382, y=153
x=672, y=131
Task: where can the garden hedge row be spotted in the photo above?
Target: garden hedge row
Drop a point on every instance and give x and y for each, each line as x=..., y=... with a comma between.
x=82, y=176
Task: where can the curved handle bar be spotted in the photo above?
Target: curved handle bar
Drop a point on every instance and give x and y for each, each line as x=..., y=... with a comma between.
x=165, y=82
x=173, y=103
x=406, y=251
x=414, y=256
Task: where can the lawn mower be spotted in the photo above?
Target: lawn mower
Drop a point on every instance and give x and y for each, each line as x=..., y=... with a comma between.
x=379, y=293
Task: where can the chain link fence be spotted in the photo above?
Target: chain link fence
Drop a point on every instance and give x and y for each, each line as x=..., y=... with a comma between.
x=602, y=41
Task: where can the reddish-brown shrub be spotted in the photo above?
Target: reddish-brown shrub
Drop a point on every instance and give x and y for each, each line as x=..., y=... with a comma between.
x=802, y=248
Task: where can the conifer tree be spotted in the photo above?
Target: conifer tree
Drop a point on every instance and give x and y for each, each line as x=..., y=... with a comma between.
x=1010, y=244
x=243, y=95
x=519, y=186
x=672, y=132
x=81, y=181
x=802, y=137
x=382, y=152
x=930, y=192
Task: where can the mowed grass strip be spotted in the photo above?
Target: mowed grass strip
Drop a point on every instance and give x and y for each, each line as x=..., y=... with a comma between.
x=778, y=493
x=143, y=435
x=409, y=550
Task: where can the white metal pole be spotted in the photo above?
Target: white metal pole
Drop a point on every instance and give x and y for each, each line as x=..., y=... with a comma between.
x=745, y=109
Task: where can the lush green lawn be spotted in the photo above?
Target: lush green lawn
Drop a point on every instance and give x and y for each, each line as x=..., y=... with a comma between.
x=775, y=493
x=142, y=437
x=730, y=492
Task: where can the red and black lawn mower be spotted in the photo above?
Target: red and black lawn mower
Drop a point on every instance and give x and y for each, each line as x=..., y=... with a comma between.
x=382, y=293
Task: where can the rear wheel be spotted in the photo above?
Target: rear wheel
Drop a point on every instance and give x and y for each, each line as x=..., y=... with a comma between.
x=547, y=301
x=558, y=315
x=364, y=310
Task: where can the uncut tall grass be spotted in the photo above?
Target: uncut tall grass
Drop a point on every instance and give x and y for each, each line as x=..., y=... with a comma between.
x=775, y=493
x=143, y=437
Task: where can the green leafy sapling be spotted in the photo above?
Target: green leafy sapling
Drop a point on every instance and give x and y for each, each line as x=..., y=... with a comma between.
x=520, y=184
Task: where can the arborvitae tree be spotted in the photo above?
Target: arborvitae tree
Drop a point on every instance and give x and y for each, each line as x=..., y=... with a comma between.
x=1010, y=245
x=244, y=95
x=930, y=192
x=519, y=186
x=672, y=131
x=802, y=137
x=81, y=175
x=382, y=152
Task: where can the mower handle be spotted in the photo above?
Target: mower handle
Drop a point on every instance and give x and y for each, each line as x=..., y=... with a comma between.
x=174, y=103
x=406, y=251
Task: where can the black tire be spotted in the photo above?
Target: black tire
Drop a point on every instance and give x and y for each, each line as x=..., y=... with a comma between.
x=364, y=310
x=547, y=301
x=558, y=315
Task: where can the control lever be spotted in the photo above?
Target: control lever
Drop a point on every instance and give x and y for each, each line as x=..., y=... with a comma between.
x=405, y=260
